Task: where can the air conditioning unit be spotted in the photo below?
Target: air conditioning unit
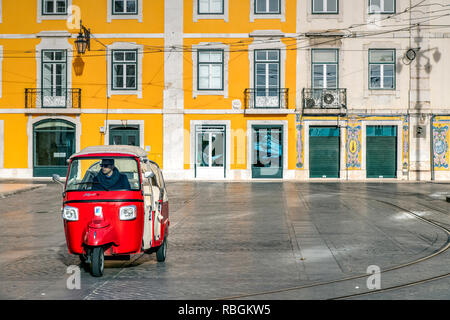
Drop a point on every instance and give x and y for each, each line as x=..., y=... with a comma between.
x=310, y=103
x=330, y=99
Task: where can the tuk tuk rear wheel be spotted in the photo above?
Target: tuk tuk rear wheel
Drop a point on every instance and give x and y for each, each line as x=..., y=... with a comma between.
x=97, y=262
x=161, y=252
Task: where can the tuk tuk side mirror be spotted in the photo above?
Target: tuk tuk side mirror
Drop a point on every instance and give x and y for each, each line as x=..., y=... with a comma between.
x=56, y=178
x=149, y=174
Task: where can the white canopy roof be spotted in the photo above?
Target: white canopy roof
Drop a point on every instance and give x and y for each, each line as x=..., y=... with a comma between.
x=136, y=151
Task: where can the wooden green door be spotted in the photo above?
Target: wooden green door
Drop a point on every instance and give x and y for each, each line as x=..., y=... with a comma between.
x=381, y=151
x=324, y=154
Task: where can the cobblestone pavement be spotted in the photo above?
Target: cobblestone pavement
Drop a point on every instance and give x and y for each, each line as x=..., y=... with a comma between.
x=229, y=239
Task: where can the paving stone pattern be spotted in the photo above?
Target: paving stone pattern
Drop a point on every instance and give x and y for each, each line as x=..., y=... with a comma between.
x=230, y=238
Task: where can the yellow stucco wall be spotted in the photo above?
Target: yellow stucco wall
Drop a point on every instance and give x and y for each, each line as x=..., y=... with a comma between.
x=15, y=141
x=238, y=137
x=93, y=15
x=20, y=65
x=238, y=74
x=240, y=10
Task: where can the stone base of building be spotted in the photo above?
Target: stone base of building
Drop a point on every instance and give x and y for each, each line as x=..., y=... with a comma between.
x=246, y=175
x=442, y=175
x=16, y=173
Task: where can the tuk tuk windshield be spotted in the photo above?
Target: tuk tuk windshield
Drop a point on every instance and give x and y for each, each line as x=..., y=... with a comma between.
x=103, y=174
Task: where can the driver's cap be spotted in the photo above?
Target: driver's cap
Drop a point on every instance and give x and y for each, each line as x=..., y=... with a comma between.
x=107, y=162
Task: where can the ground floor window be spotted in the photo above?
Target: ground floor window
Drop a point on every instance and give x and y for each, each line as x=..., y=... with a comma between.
x=53, y=144
x=124, y=135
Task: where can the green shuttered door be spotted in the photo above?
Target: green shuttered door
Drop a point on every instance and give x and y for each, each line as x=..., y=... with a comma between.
x=324, y=152
x=381, y=151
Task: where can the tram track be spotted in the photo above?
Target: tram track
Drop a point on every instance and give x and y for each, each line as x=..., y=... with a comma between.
x=437, y=252
x=444, y=248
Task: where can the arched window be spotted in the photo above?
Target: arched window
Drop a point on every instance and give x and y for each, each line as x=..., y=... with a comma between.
x=53, y=144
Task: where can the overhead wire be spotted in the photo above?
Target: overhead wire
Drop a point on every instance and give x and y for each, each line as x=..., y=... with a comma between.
x=244, y=42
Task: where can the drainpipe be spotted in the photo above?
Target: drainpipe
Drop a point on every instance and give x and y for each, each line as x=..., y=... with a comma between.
x=409, y=100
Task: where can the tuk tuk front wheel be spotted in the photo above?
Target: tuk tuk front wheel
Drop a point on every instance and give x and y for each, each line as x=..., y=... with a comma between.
x=161, y=252
x=97, y=262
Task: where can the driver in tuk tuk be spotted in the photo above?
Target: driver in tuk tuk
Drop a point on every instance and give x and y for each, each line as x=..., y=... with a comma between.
x=109, y=177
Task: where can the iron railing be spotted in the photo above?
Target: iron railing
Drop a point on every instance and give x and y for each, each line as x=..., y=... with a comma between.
x=324, y=98
x=52, y=98
x=273, y=98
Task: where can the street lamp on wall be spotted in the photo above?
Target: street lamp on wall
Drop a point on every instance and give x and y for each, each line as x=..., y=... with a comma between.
x=410, y=55
x=83, y=41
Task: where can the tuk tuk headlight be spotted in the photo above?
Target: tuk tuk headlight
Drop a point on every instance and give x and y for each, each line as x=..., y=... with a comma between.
x=128, y=213
x=70, y=213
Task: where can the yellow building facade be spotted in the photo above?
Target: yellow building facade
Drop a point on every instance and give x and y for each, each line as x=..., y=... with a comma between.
x=215, y=89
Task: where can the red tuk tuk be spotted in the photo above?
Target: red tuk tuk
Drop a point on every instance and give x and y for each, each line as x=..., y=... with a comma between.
x=114, y=203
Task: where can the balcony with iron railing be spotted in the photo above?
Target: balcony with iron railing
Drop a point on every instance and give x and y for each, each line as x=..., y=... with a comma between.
x=269, y=99
x=324, y=100
x=53, y=98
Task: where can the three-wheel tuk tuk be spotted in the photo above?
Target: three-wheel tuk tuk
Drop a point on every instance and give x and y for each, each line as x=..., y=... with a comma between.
x=114, y=204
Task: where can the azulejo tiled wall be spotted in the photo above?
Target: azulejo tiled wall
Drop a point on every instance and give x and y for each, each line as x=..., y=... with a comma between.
x=300, y=142
x=353, y=145
x=440, y=143
x=405, y=145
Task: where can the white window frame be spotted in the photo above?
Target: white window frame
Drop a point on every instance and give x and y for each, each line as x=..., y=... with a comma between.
x=325, y=67
x=267, y=44
x=213, y=16
x=53, y=87
x=228, y=156
x=53, y=40
x=54, y=7
x=209, y=5
x=125, y=7
x=140, y=53
x=212, y=129
x=1, y=11
x=210, y=65
x=267, y=87
x=124, y=63
x=267, y=7
x=382, y=65
x=281, y=15
x=382, y=9
x=41, y=16
x=325, y=81
x=135, y=16
x=368, y=93
x=325, y=11
x=226, y=58
x=339, y=17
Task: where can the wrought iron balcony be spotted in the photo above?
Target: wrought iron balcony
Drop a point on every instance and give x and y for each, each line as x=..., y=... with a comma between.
x=324, y=98
x=273, y=98
x=52, y=98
